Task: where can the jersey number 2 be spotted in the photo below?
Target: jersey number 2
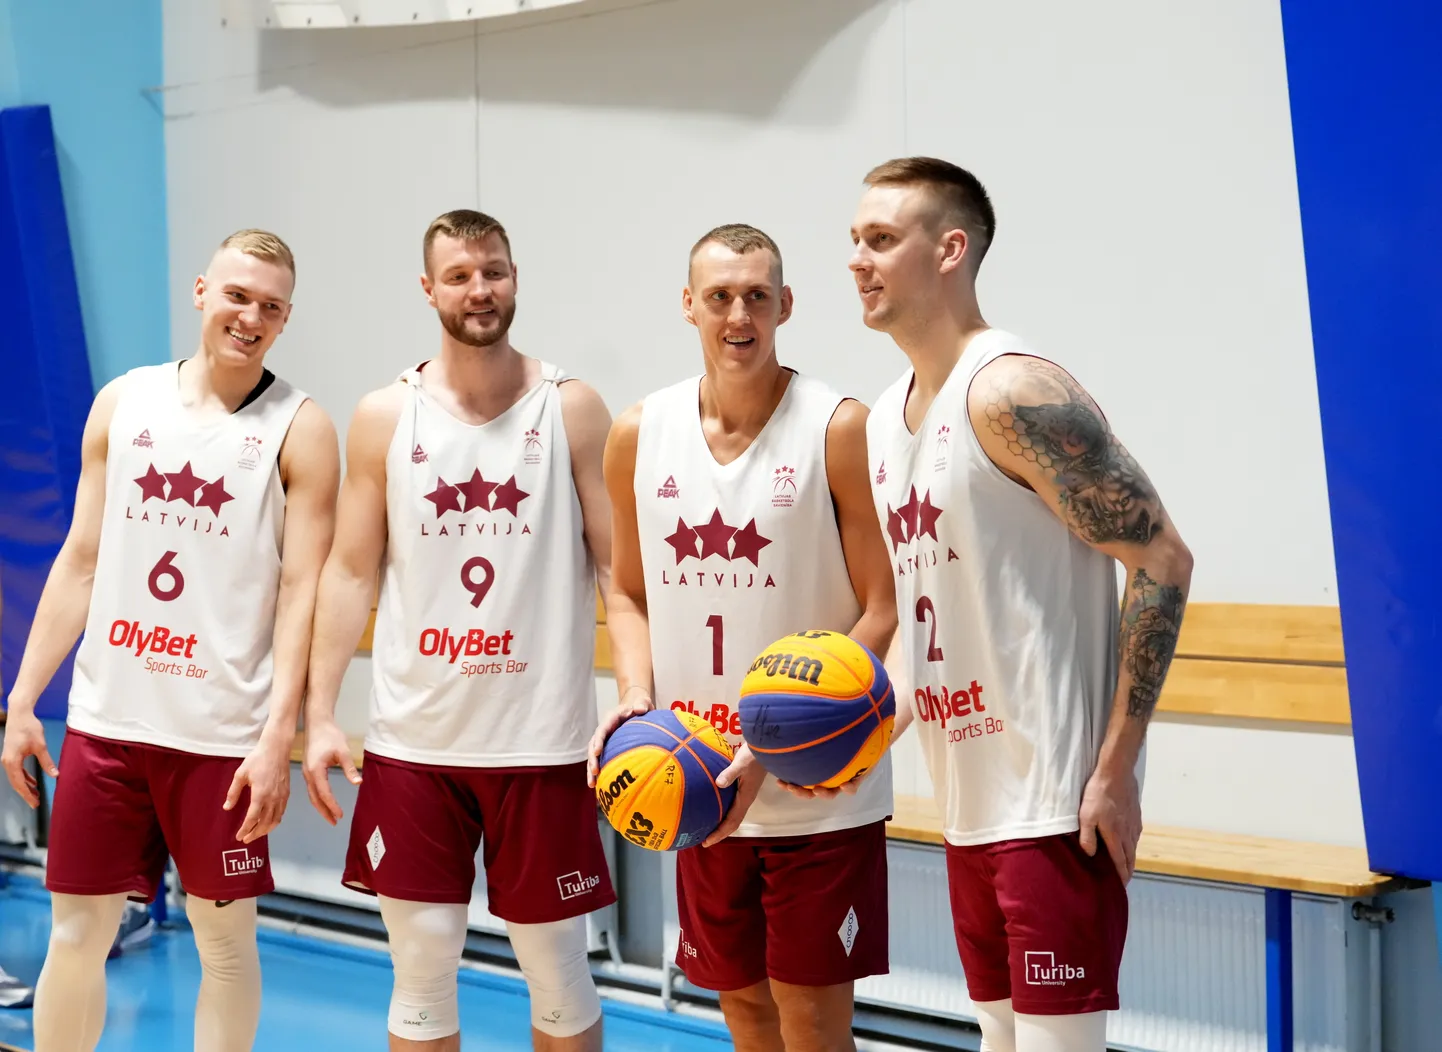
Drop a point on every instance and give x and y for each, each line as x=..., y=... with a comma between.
x=925, y=610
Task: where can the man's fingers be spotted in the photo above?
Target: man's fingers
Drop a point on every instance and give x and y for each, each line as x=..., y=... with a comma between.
x=23, y=784
x=1119, y=856
x=728, y=825
x=46, y=763
x=236, y=785
x=1088, y=836
x=732, y=772
x=348, y=765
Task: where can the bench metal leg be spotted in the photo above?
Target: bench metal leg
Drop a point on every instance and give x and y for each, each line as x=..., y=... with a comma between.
x=1279, y=970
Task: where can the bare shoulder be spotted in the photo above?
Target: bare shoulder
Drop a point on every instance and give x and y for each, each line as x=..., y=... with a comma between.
x=848, y=421
x=310, y=444
x=312, y=424
x=626, y=430
x=581, y=401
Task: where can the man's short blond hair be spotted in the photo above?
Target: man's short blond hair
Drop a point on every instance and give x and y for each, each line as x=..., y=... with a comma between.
x=740, y=238
x=262, y=244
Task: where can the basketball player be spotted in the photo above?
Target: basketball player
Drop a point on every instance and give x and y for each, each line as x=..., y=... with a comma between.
x=1008, y=502
x=204, y=511
x=474, y=489
x=742, y=514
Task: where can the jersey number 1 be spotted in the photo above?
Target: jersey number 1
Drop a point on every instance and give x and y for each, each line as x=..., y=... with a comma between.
x=714, y=624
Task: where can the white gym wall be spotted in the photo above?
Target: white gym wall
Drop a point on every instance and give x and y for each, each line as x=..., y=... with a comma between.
x=1139, y=156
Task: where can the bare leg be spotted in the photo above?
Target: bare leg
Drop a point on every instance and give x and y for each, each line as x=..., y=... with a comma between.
x=815, y=1018
x=753, y=1019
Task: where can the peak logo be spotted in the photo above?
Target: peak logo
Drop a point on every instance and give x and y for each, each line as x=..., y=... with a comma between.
x=143, y=439
x=668, y=490
x=716, y=538
x=913, y=520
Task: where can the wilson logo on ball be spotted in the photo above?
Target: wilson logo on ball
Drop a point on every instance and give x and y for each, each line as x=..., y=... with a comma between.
x=611, y=793
x=797, y=667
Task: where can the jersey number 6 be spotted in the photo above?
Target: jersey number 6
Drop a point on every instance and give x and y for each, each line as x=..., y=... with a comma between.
x=166, y=570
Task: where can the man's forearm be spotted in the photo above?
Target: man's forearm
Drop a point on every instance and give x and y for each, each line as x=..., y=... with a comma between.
x=630, y=630
x=59, y=619
x=1151, y=621
x=294, y=614
x=342, y=608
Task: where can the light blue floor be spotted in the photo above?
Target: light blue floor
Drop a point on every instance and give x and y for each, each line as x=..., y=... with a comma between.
x=317, y=996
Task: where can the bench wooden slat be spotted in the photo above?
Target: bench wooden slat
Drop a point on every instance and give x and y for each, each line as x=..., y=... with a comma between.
x=1262, y=632
x=1290, y=865
x=297, y=749
x=1254, y=690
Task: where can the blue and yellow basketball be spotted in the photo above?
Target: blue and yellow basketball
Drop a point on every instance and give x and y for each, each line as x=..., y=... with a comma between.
x=657, y=783
x=817, y=708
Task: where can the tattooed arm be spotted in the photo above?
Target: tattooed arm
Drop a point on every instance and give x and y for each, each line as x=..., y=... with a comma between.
x=1041, y=429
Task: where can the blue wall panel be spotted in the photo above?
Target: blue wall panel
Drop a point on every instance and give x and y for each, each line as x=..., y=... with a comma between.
x=47, y=390
x=1365, y=80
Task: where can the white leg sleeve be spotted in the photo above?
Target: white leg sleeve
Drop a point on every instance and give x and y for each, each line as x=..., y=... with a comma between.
x=426, y=941
x=70, y=996
x=1061, y=1033
x=227, y=1011
x=552, y=957
x=998, y=1025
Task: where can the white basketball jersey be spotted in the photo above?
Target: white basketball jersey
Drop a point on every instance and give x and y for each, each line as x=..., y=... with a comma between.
x=737, y=556
x=486, y=623
x=1008, y=623
x=178, y=639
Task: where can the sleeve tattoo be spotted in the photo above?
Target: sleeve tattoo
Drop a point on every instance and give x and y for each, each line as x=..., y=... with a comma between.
x=1104, y=495
x=1151, y=622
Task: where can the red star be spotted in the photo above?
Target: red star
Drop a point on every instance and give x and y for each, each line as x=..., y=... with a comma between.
x=477, y=492
x=152, y=484
x=213, y=496
x=748, y=543
x=910, y=512
x=715, y=536
x=508, y=496
x=183, y=484
x=684, y=541
x=445, y=497
x=927, y=515
x=895, y=528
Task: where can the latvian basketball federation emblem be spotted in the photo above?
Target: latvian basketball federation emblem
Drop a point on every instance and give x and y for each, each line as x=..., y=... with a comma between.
x=533, y=448
x=783, y=487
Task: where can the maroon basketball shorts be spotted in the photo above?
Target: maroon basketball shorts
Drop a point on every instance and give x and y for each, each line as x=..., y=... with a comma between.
x=120, y=806
x=804, y=910
x=417, y=827
x=1039, y=921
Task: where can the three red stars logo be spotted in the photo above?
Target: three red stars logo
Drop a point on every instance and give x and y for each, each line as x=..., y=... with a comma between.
x=476, y=492
x=915, y=518
x=184, y=485
x=717, y=538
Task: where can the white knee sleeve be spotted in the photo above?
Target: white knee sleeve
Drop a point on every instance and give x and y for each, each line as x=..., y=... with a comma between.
x=1061, y=1033
x=998, y=1025
x=553, y=959
x=426, y=940
x=70, y=994
x=227, y=1011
